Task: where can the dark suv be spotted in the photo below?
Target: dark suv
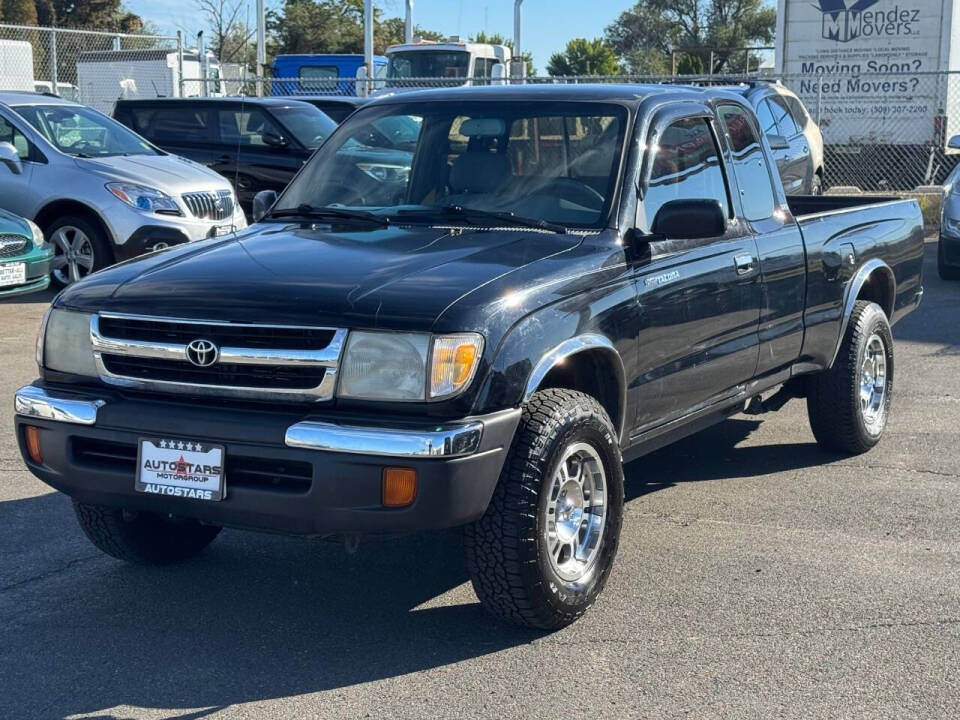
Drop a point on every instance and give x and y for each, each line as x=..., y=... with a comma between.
x=258, y=143
x=794, y=137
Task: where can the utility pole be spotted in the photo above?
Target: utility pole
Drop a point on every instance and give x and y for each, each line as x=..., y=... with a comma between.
x=261, y=45
x=408, y=24
x=367, y=36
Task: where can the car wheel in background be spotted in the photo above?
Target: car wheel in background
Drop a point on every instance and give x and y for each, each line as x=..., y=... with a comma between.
x=944, y=269
x=79, y=249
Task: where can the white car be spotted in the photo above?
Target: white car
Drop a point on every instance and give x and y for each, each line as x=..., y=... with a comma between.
x=100, y=192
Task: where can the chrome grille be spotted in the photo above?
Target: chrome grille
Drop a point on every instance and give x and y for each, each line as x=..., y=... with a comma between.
x=210, y=205
x=258, y=362
x=11, y=245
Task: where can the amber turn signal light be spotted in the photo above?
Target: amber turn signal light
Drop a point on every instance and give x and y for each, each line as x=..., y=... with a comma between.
x=399, y=486
x=31, y=435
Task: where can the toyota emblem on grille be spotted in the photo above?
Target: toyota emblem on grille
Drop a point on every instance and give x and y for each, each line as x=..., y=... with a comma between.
x=202, y=353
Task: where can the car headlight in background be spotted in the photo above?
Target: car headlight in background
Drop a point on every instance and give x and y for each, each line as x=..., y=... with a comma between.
x=386, y=173
x=145, y=198
x=38, y=239
x=408, y=366
x=64, y=343
x=453, y=362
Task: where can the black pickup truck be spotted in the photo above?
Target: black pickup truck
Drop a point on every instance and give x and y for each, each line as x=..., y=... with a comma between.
x=557, y=280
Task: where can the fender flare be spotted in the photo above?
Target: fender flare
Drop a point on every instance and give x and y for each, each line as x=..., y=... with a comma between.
x=853, y=291
x=574, y=346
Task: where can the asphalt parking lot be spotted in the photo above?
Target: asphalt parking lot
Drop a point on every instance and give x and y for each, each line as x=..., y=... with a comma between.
x=757, y=577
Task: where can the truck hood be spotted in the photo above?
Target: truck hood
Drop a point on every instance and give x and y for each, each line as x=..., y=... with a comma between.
x=397, y=277
x=170, y=173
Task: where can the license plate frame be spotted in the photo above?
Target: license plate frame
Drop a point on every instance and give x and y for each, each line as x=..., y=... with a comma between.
x=218, y=231
x=175, y=467
x=13, y=273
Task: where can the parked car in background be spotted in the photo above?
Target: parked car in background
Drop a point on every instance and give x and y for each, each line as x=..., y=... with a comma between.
x=100, y=192
x=794, y=137
x=566, y=277
x=24, y=256
x=948, y=248
x=68, y=91
x=256, y=143
x=337, y=107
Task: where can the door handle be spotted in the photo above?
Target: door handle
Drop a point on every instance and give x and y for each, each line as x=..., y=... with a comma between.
x=744, y=264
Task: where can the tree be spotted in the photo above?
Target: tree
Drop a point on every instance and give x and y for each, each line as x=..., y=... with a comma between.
x=498, y=39
x=584, y=57
x=109, y=15
x=645, y=36
x=20, y=12
x=227, y=34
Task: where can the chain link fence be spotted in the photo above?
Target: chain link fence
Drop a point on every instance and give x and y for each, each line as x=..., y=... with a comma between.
x=882, y=132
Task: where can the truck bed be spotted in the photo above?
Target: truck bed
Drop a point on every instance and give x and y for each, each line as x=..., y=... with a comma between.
x=801, y=205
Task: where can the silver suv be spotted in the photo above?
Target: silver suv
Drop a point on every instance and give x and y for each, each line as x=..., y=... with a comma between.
x=101, y=192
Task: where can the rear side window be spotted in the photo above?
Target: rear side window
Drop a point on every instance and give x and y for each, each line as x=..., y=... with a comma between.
x=174, y=125
x=245, y=127
x=749, y=164
x=768, y=126
x=800, y=115
x=788, y=128
x=686, y=166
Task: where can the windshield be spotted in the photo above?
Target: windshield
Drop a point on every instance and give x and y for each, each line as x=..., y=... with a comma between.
x=428, y=64
x=306, y=123
x=552, y=162
x=80, y=131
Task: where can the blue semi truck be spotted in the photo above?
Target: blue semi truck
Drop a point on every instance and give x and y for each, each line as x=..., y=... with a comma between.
x=322, y=74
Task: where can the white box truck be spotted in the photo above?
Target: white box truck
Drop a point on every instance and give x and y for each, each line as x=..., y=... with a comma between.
x=873, y=73
x=103, y=77
x=447, y=63
x=16, y=65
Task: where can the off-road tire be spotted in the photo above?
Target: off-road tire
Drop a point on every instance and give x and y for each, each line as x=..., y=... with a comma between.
x=142, y=538
x=506, y=548
x=945, y=270
x=833, y=395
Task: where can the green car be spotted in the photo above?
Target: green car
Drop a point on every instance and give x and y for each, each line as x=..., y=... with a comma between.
x=24, y=256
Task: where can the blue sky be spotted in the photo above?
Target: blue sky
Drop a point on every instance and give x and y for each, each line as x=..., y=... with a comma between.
x=547, y=24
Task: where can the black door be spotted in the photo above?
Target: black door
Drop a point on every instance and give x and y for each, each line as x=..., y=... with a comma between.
x=699, y=299
x=183, y=129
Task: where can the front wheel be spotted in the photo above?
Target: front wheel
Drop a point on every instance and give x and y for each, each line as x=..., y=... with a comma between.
x=945, y=270
x=542, y=552
x=79, y=249
x=142, y=538
x=849, y=404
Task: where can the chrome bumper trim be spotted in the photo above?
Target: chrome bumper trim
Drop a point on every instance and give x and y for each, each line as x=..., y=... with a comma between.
x=31, y=401
x=441, y=441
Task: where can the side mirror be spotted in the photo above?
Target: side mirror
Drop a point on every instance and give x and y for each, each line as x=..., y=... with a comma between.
x=954, y=142
x=690, y=220
x=498, y=73
x=274, y=140
x=11, y=158
x=778, y=142
x=262, y=202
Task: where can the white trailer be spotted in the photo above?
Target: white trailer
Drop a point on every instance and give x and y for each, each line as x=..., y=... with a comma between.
x=103, y=77
x=451, y=62
x=873, y=69
x=16, y=65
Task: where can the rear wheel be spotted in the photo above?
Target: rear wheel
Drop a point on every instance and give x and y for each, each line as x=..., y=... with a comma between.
x=945, y=270
x=142, y=538
x=79, y=248
x=849, y=404
x=542, y=553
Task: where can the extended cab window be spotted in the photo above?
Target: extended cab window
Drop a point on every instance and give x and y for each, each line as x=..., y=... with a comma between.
x=749, y=165
x=768, y=125
x=686, y=165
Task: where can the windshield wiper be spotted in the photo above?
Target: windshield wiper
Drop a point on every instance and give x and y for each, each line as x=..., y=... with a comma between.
x=459, y=211
x=329, y=213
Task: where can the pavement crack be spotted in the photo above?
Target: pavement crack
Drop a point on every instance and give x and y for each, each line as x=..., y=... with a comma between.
x=49, y=573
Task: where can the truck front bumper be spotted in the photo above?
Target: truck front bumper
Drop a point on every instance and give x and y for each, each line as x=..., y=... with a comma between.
x=285, y=472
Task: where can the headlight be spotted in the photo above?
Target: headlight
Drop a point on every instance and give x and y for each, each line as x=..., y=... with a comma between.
x=66, y=344
x=38, y=240
x=384, y=366
x=386, y=173
x=395, y=366
x=144, y=198
x=454, y=362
